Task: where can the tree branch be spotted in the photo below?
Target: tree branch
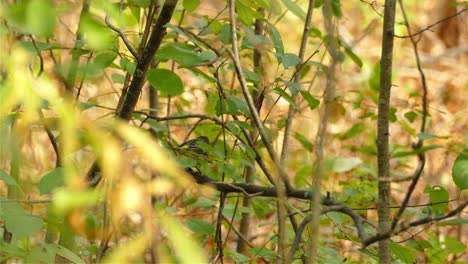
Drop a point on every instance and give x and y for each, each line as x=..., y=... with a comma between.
x=124, y=38
x=405, y=226
x=134, y=90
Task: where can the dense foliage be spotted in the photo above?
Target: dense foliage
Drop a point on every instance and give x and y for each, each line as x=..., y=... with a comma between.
x=97, y=97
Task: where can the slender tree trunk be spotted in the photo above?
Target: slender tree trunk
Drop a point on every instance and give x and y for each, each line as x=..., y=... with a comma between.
x=258, y=96
x=329, y=96
x=383, y=129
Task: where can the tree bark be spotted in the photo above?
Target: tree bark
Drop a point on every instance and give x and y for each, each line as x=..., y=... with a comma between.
x=384, y=186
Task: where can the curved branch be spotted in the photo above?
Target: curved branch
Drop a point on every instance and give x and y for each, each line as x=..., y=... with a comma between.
x=123, y=37
x=405, y=226
x=333, y=207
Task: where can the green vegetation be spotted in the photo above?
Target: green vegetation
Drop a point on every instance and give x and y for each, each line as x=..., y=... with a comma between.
x=314, y=146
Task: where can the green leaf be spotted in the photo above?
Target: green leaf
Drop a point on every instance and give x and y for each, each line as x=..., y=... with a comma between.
x=51, y=181
x=191, y=5
x=429, y=136
x=353, y=56
x=40, y=46
x=265, y=4
x=41, y=18
x=392, y=115
x=87, y=105
x=105, y=59
x=289, y=59
x=415, y=152
x=456, y=221
x=127, y=65
x=118, y=78
x=96, y=35
x=140, y=3
x=411, y=116
x=295, y=9
x=311, y=101
x=7, y=178
x=64, y=252
x=345, y=164
x=262, y=252
x=374, y=80
x=204, y=202
x=15, y=250
x=302, y=175
x=355, y=130
x=294, y=87
x=260, y=207
x=318, y=3
x=404, y=254
x=454, y=246
x=276, y=38
x=185, y=54
x=244, y=12
x=237, y=257
x=23, y=225
x=305, y=142
x=200, y=226
x=250, y=76
x=315, y=32
x=39, y=255
x=460, y=170
x=167, y=82
x=286, y=97
x=66, y=199
x=438, y=196
x=336, y=8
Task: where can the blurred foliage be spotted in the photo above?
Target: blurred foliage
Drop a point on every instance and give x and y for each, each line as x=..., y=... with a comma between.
x=147, y=205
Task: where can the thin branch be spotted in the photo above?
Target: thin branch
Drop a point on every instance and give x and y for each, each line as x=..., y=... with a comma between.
x=410, y=35
x=27, y=201
x=329, y=97
x=256, y=190
x=124, y=38
x=333, y=207
x=234, y=54
x=297, y=77
x=405, y=226
x=282, y=182
x=159, y=31
x=52, y=140
x=419, y=144
x=41, y=59
x=242, y=237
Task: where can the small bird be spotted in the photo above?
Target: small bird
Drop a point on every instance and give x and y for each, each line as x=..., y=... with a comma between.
x=193, y=145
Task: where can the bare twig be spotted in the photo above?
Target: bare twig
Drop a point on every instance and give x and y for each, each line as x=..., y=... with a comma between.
x=333, y=207
x=39, y=54
x=124, y=38
x=282, y=182
x=405, y=226
x=297, y=77
x=419, y=144
x=52, y=140
x=234, y=54
x=411, y=35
